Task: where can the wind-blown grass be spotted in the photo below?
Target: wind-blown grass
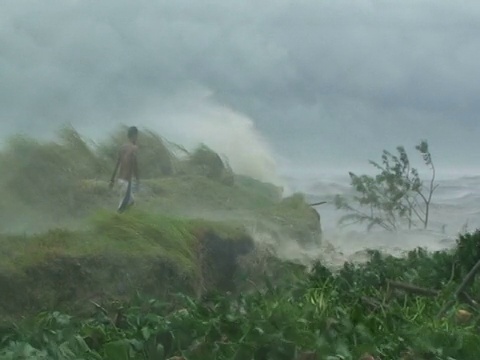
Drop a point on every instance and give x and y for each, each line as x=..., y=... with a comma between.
x=135, y=233
x=115, y=256
x=61, y=183
x=145, y=233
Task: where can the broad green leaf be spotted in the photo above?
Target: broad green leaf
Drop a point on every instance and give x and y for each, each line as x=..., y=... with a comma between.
x=117, y=350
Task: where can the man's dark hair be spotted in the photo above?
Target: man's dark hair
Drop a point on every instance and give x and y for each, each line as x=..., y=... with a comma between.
x=132, y=131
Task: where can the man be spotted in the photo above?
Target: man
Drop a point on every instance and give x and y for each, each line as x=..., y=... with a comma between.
x=127, y=167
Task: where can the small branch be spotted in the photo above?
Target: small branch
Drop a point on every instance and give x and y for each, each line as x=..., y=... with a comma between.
x=468, y=299
x=424, y=198
x=466, y=281
x=372, y=303
x=412, y=288
x=99, y=307
x=414, y=210
x=343, y=225
x=452, y=276
x=468, y=278
x=318, y=203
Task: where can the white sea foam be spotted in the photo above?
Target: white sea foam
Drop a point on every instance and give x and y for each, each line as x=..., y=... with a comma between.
x=455, y=209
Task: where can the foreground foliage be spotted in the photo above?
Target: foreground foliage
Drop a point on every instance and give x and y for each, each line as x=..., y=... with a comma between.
x=299, y=314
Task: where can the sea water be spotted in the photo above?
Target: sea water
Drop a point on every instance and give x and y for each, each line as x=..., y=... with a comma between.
x=454, y=210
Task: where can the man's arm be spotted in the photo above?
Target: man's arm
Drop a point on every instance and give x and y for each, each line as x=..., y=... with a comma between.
x=135, y=168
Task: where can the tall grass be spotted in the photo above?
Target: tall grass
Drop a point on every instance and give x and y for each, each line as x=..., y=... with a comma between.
x=52, y=183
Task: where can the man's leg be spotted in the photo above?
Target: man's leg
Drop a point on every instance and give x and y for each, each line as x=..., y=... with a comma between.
x=126, y=191
x=132, y=196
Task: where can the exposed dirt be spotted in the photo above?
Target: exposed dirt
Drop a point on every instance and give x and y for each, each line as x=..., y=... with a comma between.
x=71, y=283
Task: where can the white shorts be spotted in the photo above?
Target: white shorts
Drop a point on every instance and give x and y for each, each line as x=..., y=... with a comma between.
x=126, y=193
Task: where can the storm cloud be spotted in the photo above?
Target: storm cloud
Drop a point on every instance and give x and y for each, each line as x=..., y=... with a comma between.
x=327, y=84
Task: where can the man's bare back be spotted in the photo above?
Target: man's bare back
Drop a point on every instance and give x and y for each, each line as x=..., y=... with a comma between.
x=128, y=162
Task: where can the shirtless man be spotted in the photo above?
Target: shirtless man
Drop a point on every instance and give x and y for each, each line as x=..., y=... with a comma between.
x=127, y=168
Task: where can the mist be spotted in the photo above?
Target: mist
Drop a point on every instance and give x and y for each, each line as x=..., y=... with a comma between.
x=196, y=118
x=305, y=85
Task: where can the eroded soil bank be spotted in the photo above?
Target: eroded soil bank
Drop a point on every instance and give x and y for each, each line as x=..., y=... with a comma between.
x=120, y=257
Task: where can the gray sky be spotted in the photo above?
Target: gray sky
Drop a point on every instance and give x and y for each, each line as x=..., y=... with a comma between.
x=322, y=83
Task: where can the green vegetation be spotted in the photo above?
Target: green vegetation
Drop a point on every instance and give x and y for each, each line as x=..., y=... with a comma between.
x=362, y=312
x=396, y=195
x=62, y=244
x=181, y=278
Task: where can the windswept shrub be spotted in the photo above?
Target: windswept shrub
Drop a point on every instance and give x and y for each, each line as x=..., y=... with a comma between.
x=467, y=253
x=206, y=162
x=83, y=155
x=45, y=177
x=38, y=173
x=394, y=197
x=305, y=220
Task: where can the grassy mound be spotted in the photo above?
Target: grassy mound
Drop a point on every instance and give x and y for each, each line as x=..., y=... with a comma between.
x=117, y=256
x=62, y=183
x=358, y=313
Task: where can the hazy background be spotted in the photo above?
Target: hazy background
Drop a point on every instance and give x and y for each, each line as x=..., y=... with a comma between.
x=303, y=85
